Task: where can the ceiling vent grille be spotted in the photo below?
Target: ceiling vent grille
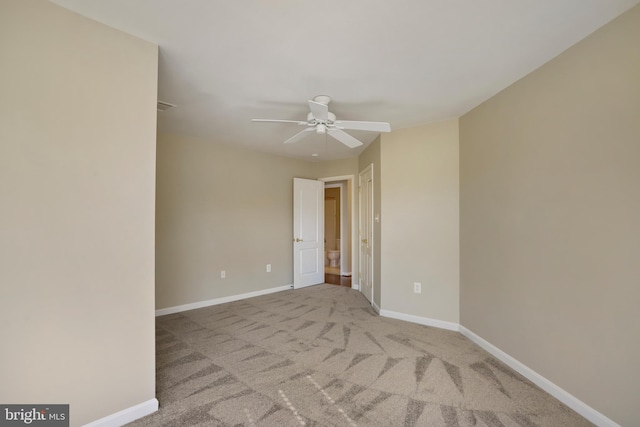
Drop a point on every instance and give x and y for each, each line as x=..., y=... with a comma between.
x=164, y=106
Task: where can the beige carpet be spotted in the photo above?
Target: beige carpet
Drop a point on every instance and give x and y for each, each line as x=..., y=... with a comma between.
x=320, y=356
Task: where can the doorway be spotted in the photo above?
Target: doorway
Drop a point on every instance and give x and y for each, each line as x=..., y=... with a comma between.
x=332, y=227
x=339, y=229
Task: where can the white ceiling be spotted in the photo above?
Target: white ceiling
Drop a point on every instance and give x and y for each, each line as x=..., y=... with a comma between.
x=406, y=62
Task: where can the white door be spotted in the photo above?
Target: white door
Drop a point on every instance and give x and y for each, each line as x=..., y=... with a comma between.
x=308, y=232
x=366, y=233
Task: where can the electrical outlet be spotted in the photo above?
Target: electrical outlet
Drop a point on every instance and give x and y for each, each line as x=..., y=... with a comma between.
x=223, y=274
x=268, y=268
x=417, y=287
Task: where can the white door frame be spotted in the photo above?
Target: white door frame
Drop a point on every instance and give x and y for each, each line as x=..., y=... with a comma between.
x=355, y=247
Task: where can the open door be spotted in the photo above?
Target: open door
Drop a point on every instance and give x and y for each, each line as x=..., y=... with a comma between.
x=308, y=232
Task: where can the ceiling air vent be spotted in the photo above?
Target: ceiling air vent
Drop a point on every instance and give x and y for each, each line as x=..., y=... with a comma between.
x=164, y=106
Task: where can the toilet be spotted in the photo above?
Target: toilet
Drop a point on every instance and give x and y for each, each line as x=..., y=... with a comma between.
x=334, y=255
x=334, y=258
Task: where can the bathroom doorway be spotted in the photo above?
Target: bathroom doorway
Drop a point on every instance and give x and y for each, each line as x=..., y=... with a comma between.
x=339, y=217
x=332, y=237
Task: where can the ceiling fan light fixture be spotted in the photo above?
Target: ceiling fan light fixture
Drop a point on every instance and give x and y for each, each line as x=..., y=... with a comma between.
x=321, y=129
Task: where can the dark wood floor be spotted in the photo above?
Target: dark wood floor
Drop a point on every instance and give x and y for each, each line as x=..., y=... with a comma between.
x=334, y=279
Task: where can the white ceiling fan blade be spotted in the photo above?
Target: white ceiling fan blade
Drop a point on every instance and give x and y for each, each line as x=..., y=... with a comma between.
x=319, y=111
x=345, y=138
x=370, y=126
x=279, y=121
x=298, y=136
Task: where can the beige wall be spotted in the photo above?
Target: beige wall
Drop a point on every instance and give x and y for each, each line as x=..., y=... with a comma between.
x=225, y=208
x=77, y=176
x=222, y=208
x=420, y=221
x=371, y=156
x=333, y=193
x=550, y=230
x=334, y=168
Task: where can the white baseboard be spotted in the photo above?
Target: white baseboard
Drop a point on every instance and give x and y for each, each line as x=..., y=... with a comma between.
x=216, y=301
x=420, y=320
x=563, y=396
x=375, y=307
x=355, y=286
x=128, y=415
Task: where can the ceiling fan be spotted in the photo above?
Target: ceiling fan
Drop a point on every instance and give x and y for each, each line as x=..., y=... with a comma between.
x=322, y=121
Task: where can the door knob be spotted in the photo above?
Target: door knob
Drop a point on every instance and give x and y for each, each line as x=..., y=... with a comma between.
x=365, y=241
x=297, y=240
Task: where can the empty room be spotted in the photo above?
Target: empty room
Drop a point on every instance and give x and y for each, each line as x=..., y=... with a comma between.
x=287, y=213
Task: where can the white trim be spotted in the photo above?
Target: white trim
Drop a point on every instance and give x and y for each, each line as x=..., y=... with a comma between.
x=563, y=396
x=128, y=415
x=216, y=301
x=336, y=178
x=375, y=307
x=328, y=185
x=442, y=324
x=355, y=286
x=345, y=224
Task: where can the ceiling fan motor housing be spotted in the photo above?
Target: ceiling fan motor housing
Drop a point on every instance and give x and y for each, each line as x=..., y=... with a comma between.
x=322, y=99
x=330, y=118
